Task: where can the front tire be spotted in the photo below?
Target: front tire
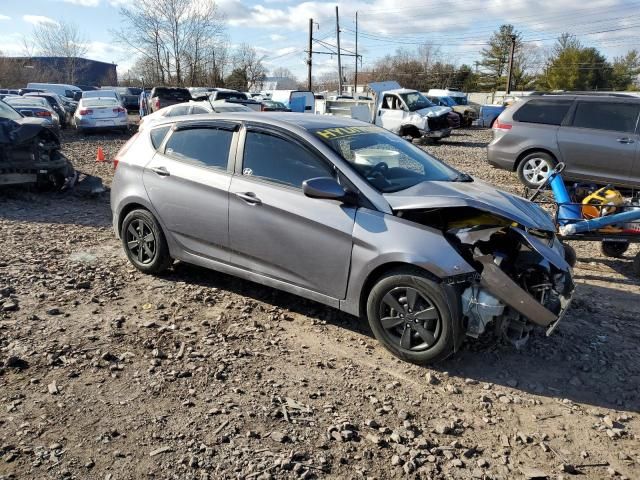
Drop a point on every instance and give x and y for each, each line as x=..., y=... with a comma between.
x=614, y=249
x=534, y=169
x=409, y=315
x=144, y=243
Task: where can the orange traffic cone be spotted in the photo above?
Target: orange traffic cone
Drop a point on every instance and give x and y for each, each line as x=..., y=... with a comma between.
x=100, y=155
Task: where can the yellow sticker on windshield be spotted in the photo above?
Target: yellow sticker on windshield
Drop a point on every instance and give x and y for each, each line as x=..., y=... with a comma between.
x=338, y=132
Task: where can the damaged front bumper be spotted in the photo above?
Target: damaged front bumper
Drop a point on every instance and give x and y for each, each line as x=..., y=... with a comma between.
x=442, y=133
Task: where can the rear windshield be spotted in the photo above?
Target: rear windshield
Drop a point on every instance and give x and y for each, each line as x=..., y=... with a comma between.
x=547, y=112
x=7, y=112
x=175, y=94
x=134, y=90
x=230, y=96
x=100, y=102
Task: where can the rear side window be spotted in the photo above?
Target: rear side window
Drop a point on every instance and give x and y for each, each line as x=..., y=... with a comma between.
x=174, y=94
x=618, y=117
x=543, y=111
x=179, y=110
x=273, y=158
x=204, y=147
x=157, y=135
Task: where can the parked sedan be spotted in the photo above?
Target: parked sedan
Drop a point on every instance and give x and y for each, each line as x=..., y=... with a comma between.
x=346, y=214
x=191, y=108
x=130, y=97
x=56, y=104
x=100, y=113
x=271, y=106
x=36, y=107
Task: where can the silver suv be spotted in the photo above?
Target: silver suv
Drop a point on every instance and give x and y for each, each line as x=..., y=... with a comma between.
x=596, y=136
x=346, y=214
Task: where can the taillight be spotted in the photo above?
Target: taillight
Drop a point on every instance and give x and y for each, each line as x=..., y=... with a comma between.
x=498, y=125
x=119, y=110
x=261, y=107
x=85, y=111
x=44, y=113
x=158, y=103
x=123, y=150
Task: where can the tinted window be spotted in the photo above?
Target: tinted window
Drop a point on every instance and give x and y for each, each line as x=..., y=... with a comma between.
x=179, y=110
x=157, y=135
x=282, y=161
x=174, y=94
x=619, y=117
x=206, y=147
x=230, y=96
x=7, y=112
x=543, y=111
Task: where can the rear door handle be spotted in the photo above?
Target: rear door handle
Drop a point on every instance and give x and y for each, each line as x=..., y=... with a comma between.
x=162, y=171
x=249, y=197
x=625, y=140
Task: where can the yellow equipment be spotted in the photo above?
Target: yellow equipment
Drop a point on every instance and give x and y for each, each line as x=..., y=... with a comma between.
x=601, y=202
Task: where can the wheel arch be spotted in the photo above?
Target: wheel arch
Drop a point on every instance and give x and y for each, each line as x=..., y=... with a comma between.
x=409, y=129
x=127, y=209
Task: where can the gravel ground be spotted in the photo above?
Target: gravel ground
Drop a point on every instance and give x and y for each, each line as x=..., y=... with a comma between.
x=106, y=373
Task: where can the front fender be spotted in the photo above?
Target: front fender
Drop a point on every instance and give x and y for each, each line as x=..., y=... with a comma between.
x=381, y=239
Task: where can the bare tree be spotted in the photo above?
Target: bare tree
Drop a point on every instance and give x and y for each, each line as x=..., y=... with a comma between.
x=60, y=39
x=283, y=72
x=246, y=59
x=176, y=39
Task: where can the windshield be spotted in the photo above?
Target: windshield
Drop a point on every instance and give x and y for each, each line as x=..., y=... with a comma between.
x=416, y=101
x=388, y=162
x=230, y=96
x=460, y=100
x=99, y=102
x=7, y=112
x=448, y=101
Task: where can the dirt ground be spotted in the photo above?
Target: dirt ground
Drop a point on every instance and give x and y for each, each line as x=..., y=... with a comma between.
x=106, y=373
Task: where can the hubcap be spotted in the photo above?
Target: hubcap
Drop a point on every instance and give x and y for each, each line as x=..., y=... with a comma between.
x=536, y=170
x=409, y=319
x=141, y=241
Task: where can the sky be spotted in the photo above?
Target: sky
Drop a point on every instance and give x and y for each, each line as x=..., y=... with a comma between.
x=278, y=29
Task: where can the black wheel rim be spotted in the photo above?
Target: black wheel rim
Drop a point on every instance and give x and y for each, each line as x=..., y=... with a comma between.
x=141, y=241
x=409, y=319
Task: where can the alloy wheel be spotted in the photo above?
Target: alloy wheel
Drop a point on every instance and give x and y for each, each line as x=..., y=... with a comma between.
x=536, y=170
x=410, y=319
x=141, y=241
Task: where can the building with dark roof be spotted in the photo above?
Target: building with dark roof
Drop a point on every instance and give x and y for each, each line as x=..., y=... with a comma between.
x=69, y=70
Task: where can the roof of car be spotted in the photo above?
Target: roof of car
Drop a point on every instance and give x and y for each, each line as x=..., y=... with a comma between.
x=305, y=121
x=581, y=95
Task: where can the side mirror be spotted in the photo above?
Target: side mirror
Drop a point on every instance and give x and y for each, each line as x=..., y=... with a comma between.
x=324, y=187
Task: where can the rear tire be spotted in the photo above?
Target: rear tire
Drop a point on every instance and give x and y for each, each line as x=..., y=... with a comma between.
x=636, y=265
x=420, y=327
x=144, y=243
x=614, y=249
x=534, y=168
x=569, y=255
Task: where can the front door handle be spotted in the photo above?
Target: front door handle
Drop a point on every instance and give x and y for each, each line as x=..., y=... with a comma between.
x=625, y=140
x=249, y=197
x=162, y=171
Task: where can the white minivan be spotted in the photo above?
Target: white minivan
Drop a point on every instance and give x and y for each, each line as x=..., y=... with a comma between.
x=301, y=101
x=61, y=89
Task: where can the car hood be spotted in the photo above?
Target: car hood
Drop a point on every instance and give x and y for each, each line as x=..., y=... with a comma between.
x=476, y=194
x=434, y=111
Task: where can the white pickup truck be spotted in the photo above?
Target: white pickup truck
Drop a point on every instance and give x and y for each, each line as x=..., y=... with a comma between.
x=403, y=111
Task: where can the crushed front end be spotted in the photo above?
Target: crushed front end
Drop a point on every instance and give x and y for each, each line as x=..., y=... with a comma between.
x=521, y=280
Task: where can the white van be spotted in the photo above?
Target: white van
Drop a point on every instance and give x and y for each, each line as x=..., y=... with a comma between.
x=61, y=89
x=301, y=101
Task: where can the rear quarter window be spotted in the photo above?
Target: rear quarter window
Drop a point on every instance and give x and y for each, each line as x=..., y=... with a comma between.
x=157, y=135
x=543, y=111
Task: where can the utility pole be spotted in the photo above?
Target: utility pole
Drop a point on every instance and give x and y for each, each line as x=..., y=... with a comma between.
x=339, y=61
x=510, y=71
x=310, y=54
x=355, y=75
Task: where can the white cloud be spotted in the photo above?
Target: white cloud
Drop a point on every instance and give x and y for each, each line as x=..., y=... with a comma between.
x=277, y=37
x=5, y=17
x=84, y=3
x=38, y=19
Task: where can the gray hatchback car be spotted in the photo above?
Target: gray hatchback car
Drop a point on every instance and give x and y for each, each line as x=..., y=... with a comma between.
x=346, y=214
x=596, y=136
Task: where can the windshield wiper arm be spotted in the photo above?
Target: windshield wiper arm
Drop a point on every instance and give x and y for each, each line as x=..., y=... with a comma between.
x=463, y=177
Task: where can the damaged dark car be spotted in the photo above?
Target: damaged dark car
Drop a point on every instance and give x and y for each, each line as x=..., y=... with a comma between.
x=30, y=152
x=346, y=214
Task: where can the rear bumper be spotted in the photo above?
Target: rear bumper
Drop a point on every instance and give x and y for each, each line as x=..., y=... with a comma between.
x=106, y=123
x=498, y=159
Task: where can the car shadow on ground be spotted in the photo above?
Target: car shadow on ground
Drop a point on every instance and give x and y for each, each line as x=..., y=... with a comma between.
x=622, y=266
x=592, y=358
x=28, y=204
